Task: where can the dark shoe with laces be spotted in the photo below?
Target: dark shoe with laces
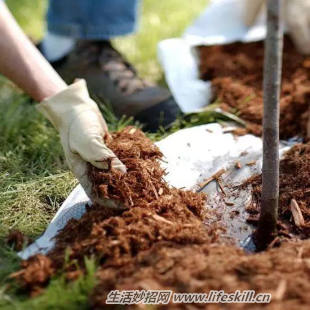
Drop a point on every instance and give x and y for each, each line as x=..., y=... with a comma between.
x=111, y=79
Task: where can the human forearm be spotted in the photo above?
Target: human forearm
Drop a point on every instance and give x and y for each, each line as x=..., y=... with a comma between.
x=22, y=63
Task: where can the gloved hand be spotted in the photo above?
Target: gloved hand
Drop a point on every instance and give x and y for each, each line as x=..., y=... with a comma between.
x=296, y=17
x=82, y=130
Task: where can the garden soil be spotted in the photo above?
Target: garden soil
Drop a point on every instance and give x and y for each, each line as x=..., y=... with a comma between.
x=236, y=73
x=160, y=241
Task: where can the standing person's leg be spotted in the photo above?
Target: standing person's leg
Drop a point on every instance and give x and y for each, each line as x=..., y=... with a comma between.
x=92, y=19
x=77, y=44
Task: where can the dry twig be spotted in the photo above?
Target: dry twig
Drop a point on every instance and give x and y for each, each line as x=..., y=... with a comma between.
x=297, y=214
x=214, y=177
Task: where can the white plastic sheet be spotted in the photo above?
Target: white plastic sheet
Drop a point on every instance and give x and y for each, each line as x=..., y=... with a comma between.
x=191, y=155
x=220, y=23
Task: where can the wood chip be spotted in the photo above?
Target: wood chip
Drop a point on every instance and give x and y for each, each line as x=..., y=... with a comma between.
x=161, y=219
x=219, y=173
x=297, y=215
x=300, y=252
x=188, y=225
x=154, y=190
x=280, y=291
x=228, y=203
x=238, y=165
x=132, y=131
x=115, y=242
x=251, y=163
x=228, y=130
x=221, y=186
x=215, y=176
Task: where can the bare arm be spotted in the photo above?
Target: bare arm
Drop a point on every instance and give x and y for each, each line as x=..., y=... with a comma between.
x=22, y=63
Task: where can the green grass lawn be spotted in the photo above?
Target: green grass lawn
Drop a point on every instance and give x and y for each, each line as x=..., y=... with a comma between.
x=34, y=179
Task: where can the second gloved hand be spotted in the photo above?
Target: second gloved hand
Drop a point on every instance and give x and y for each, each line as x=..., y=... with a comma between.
x=296, y=15
x=82, y=130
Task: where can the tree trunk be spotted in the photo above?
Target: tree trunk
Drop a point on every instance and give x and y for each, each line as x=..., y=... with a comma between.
x=267, y=226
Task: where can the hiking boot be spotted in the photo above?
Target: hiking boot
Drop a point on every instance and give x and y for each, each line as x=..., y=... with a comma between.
x=111, y=79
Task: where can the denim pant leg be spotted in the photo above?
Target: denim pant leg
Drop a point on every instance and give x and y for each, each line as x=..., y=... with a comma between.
x=92, y=19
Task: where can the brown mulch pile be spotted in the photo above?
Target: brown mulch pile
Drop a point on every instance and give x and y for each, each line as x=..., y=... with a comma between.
x=294, y=184
x=236, y=72
x=284, y=272
x=155, y=212
x=160, y=242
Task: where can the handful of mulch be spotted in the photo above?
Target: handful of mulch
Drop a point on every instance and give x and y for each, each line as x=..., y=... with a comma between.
x=143, y=181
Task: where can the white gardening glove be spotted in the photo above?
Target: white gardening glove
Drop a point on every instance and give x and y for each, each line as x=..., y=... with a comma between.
x=82, y=130
x=296, y=17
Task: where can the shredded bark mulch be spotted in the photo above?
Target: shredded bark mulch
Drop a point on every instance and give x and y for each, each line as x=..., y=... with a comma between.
x=161, y=242
x=155, y=212
x=294, y=200
x=236, y=72
x=284, y=272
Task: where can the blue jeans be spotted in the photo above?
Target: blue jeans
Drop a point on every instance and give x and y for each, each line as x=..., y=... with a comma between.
x=92, y=19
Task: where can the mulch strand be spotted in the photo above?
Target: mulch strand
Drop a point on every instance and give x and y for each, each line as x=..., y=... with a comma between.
x=236, y=73
x=160, y=240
